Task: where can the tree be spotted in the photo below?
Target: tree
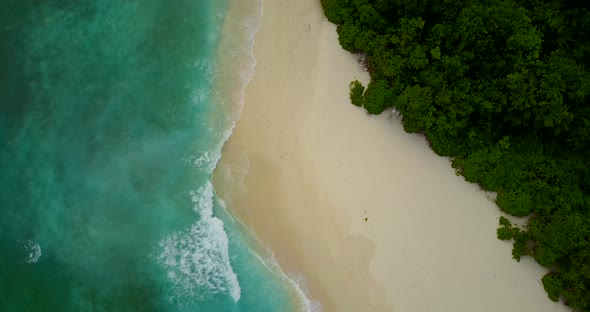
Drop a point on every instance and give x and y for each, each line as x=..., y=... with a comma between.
x=356, y=93
x=502, y=87
x=377, y=97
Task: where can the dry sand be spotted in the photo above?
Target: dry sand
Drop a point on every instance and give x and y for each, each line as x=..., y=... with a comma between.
x=368, y=214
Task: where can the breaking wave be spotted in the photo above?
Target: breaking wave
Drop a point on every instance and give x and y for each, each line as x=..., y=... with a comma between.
x=197, y=259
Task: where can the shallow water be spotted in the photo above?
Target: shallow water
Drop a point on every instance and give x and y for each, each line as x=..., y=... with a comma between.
x=110, y=127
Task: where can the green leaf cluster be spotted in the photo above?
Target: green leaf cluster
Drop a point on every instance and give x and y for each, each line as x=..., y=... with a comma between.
x=502, y=87
x=356, y=93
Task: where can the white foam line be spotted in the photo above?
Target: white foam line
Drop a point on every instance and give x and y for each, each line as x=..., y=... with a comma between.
x=246, y=78
x=197, y=259
x=297, y=282
x=294, y=280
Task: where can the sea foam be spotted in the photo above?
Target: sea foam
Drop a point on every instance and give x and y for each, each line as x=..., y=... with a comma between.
x=33, y=252
x=230, y=94
x=197, y=259
x=296, y=281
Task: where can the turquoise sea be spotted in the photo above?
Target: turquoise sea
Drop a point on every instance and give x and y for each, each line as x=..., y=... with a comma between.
x=112, y=119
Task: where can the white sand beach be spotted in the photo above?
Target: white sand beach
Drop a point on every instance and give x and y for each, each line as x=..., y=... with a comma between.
x=369, y=216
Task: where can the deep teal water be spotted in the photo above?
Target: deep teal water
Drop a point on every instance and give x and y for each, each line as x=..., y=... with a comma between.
x=108, y=138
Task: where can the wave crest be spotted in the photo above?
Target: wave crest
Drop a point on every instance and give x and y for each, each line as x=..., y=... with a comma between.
x=197, y=259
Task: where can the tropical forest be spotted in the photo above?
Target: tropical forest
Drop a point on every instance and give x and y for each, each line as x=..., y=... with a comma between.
x=502, y=88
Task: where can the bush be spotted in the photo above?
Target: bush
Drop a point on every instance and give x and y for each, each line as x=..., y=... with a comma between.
x=333, y=10
x=356, y=93
x=377, y=97
x=505, y=222
x=504, y=233
x=552, y=285
x=516, y=203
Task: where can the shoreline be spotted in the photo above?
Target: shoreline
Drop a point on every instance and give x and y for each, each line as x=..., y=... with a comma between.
x=369, y=216
x=236, y=53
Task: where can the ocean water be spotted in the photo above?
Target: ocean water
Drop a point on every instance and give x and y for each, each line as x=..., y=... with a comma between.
x=112, y=118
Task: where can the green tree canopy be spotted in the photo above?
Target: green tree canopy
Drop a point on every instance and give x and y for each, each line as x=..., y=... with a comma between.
x=502, y=87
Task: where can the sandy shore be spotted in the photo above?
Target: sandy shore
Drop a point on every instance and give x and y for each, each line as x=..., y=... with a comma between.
x=368, y=214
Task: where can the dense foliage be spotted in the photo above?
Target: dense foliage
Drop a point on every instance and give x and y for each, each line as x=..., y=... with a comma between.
x=356, y=93
x=502, y=87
